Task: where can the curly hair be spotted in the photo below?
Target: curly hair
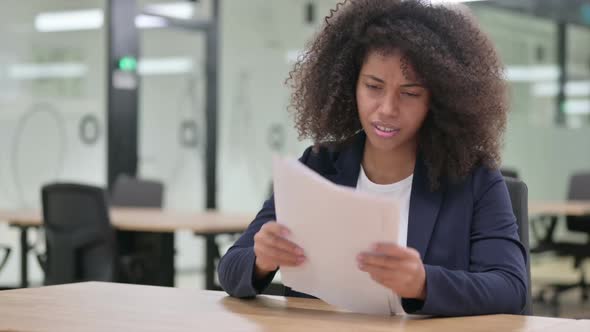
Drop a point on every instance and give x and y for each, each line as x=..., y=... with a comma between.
x=454, y=59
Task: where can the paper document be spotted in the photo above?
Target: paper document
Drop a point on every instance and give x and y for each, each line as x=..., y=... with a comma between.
x=333, y=224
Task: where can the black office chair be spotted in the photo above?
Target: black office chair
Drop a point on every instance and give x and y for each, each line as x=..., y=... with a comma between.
x=519, y=197
x=579, y=189
x=132, y=192
x=509, y=172
x=147, y=257
x=80, y=240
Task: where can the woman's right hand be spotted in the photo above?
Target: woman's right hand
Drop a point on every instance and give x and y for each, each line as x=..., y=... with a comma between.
x=272, y=249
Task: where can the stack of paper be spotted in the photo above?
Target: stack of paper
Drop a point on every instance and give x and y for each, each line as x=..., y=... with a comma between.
x=333, y=224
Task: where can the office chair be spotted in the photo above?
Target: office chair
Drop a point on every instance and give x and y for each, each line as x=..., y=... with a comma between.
x=508, y=172
x=579, y=189
x=519, y=197
x=80, y=239
x=148, y=258
x=133, y=192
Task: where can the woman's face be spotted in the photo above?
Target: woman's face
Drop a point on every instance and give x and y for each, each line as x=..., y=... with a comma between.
x=391, y=102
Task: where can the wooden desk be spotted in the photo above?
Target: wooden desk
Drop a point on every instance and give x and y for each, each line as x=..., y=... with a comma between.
x=206, y=224
x=149, y=220
x=550, y=211
x=116, y=307
x=557, y=208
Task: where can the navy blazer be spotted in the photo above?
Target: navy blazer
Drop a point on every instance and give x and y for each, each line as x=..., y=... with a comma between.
x=465, y=232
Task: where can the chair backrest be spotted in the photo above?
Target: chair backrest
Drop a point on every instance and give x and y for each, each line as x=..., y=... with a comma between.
x=519, y=197
x=579, y=190
x=80, y=238
x=133, y=192
x=147, y=258
x=509, y=172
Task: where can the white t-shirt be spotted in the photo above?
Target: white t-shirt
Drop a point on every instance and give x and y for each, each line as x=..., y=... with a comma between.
x=400, y=192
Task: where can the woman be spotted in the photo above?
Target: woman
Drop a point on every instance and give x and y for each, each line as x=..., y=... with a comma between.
x=405, y=99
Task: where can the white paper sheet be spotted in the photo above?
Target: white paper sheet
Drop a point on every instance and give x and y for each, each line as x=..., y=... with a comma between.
x=333, y=224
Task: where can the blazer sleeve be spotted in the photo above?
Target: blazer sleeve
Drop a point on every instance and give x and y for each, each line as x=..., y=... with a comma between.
x=236, y=267
x=496, y=281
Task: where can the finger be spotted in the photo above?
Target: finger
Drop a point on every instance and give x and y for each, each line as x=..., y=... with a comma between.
x=271, y=260
x=378, y=274
x=276, y=229
x=378, y=260
x=397, y=268
x=373, y=269
x=384, y=276
x=272, y=231
x=278, y=256
x=272, y=240
x=395, y=250
x=284, y=259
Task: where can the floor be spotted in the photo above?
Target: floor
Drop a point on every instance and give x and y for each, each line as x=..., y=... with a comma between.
x=548, y=269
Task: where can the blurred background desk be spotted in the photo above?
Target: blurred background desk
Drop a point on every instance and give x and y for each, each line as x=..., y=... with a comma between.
x=206, y=224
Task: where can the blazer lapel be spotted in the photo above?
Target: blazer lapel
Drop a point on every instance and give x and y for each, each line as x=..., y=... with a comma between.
x=424, y=208
x=348, y=165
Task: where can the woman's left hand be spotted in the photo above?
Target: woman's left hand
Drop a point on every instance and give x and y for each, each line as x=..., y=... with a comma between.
x=397, y=268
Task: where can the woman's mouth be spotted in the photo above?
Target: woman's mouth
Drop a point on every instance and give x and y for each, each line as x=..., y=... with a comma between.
x=385, y=131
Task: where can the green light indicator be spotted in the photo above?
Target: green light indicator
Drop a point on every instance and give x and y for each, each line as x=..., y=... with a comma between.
x=128, y=63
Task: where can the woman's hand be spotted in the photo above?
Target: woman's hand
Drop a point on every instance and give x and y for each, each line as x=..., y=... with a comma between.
x=273, y=250
x=397, y=268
